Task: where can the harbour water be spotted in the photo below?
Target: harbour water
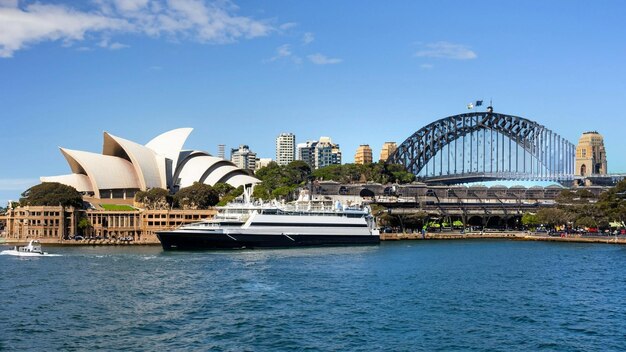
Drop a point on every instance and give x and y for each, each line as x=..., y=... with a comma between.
x=485, y=295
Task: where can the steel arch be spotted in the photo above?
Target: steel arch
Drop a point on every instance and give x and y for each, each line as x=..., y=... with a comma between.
x=551, y=155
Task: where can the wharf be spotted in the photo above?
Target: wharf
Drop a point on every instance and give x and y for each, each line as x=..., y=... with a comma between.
x=517, y=236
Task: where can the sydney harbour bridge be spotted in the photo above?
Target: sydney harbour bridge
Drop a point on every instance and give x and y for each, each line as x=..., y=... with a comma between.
x=484, y=146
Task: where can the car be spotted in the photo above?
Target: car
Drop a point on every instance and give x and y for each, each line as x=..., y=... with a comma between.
x=79, y=238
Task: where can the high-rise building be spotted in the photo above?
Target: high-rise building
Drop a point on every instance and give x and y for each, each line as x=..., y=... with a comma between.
x=220, y=150
x=326, y=153
x=590, y=155
x=243, y=157
x=319, y=153
x=363, y=154
x=285, y=148
x=388, y=149
x=306, y=153
x=262, y=162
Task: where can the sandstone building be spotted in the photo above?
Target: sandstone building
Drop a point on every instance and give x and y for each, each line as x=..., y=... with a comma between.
x=590, y=155
x=363, y=154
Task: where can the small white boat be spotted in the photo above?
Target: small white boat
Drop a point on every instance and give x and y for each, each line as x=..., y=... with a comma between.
x=33, y=249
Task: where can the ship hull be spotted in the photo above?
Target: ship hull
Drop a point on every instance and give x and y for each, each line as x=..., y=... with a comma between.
x=173, y=240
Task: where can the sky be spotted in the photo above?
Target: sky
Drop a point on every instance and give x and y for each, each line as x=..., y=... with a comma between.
x=242, y=72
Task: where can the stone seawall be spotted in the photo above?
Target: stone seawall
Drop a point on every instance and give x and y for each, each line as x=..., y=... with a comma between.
x=55, y=242
x=517, y=236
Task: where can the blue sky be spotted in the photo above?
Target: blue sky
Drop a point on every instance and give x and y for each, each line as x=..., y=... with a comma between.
x=242, y=72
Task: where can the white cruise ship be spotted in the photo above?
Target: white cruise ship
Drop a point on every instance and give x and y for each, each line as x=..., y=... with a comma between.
x=298, y=224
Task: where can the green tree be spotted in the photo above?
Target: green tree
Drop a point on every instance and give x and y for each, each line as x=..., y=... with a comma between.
x=84, y=225
x=552, y=217
x=196, y=196
x=281, y=181
x=530, y=220
x=613, y=202
x=585, y=221
x=227, y=193
x=52, y=193
x=223, y=189
x=154, y=199
x=374, y=172
x=261, y=192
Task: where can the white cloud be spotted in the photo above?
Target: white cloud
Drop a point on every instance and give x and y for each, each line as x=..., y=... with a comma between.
x=320, y=59
x=117, y=46
x=8, y=3
x=130, y=5
x=113, y=46
x=288, y=25
x=427, y=66
x=308, y=38
x=49, y=22
x=446, y=50
x=17, y=184
x=284, y=51
x=199, y=20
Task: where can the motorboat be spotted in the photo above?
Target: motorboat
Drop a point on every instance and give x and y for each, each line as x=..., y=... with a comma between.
x=33, y=249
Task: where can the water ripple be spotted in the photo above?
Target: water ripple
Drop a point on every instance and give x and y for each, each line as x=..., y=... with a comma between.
x=418, y=296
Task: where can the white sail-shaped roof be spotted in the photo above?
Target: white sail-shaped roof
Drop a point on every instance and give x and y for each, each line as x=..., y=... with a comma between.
x=196, y=166
x=103, y=171
x=170, y=144
x=79, y=181
x=199, y=167
x=149, y=167
x=223, y=173
x=161, y=163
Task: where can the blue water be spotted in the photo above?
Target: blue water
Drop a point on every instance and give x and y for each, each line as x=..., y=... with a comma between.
x=399, y=296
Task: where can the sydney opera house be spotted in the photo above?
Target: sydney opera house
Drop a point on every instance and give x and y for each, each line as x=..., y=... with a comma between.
x=125, y=167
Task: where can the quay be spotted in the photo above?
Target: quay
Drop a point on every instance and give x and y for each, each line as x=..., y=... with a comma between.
x=511, y=235
x=431, y=236
x=148, y=241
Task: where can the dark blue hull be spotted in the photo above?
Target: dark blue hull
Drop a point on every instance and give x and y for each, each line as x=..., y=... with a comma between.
x=171, y=240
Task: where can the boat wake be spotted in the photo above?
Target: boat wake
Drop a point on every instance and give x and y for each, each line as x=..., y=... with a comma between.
x=22, y=254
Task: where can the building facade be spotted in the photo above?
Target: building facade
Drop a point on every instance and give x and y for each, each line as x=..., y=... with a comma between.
x=55, y=224
x=285, y=148
x=326, y=153
x=306, y=153
x=388, y=149
x=363, y=154
x=262, y=162
x=590, y=155
x=243, y=158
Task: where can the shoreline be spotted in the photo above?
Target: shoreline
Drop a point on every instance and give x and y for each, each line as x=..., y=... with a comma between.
x=437, y=236
x=71, y=243
x=516, y=236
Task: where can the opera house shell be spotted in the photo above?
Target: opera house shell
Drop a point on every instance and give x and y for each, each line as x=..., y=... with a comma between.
x=125, y=167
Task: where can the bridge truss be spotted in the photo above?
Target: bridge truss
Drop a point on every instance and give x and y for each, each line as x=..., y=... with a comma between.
x=482, y=146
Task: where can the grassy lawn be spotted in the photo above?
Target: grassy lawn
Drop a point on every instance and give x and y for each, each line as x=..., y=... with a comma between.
x=117, y=207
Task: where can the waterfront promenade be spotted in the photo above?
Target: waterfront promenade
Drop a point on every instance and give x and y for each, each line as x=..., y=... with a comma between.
x=512, y=235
